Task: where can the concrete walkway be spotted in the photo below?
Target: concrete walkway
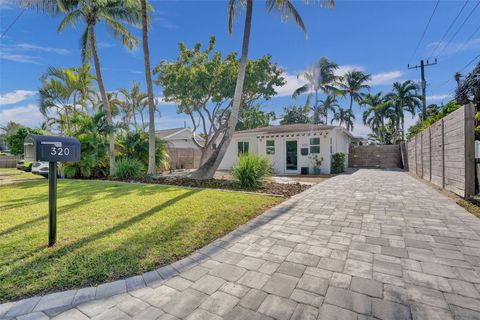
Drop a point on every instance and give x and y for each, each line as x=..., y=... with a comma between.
x=375, y=244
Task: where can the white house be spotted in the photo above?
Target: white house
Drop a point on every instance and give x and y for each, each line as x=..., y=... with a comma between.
x=290, y=147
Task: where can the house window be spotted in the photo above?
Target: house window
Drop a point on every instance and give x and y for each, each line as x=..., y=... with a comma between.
x=242, y=147
x=314, y=145
x=331, y=146
x=270, y=146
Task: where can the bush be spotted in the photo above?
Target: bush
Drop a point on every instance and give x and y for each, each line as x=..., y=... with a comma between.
x=15, y=140
x=338, y=162
x=128, y=168
x=250, y=170
x=134, y=145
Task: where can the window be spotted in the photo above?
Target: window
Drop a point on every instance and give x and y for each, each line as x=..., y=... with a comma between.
x=242, y=147
x=314, y=145
x=270, y=146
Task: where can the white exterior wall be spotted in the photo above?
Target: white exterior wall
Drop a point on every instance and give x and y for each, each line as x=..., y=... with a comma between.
x=257, y=145
x=341, y=143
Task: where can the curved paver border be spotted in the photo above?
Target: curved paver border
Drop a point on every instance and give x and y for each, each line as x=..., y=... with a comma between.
x=57, y=302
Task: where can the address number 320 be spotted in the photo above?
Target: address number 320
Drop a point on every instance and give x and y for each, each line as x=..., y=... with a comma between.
x=59, y=151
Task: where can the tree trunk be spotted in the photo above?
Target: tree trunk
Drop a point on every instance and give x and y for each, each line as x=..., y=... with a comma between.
x=208, y=169
x=106, y=106
x=152, y=168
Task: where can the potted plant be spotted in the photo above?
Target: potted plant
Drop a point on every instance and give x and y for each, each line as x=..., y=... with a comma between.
x=317, y=163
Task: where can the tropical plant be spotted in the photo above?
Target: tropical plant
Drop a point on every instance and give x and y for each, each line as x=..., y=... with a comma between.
x=16, y=139
x=376, y=115
x=287, y=11
x=404, y=98
x=114, y=13
x=135, y=145
x=133, y=102
x=126, y=168
x=251, y=170
x=458, y=77
x=469, y=89
x=338, y=163
x=329, y=104
x=353, y=83
x=252, y=117
x=294, y=114
x=344, y=117
x=320, y=77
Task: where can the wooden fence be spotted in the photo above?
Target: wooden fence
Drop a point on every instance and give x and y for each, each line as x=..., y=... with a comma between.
x=444, y=152
x=374, y=156
x=9, y=161
x=184, y=158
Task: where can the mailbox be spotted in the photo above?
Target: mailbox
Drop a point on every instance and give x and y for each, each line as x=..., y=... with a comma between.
x=51, y=148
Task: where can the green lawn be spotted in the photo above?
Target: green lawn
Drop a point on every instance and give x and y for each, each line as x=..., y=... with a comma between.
x=108, y=230
x=13, y=173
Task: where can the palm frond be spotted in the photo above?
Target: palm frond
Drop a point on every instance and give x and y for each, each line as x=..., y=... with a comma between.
x=305, y=88
x=120, y=32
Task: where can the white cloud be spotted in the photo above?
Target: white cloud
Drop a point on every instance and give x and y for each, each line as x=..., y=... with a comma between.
x=292, y=83
x=438, y=97
x=32, y=47
x=7, y=4
x=347, y=68
x=26, y=115
x=455, y=47
x=161, y=102
x=22, y=58
x=360, y=130
x=15, y=96
x=385, y=78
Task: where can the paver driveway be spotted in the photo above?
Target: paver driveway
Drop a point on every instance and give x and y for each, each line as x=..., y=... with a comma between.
x=375, y=244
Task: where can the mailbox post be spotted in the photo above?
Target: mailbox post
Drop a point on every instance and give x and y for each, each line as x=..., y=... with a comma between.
x=52, y=149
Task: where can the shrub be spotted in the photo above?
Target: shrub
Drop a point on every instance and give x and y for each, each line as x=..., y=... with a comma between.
x=338, y=162
x=134, y=145
x=15, y=140
x=128, y=168
x=251, y=170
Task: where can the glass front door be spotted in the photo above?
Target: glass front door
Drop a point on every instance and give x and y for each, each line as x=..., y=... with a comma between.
x=292, y=156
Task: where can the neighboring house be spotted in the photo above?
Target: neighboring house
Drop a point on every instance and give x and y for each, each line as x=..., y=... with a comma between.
x=184, y=153
x=359, y=141
x=290, y=147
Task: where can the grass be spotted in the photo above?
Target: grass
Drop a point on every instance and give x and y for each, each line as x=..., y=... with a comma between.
x=470, y=207
x=13, y=173
x=108, y=230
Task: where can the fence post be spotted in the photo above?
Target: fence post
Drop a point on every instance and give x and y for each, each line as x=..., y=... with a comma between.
x=443, y=153
x=469, y=151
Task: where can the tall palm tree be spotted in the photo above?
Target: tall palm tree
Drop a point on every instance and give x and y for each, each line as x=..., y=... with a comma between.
x=404, y=98
x=457, y=76
x=344, y=116
x=151, y=102
x=134, y=102
x=320, y=77
x=287, y=11
x=114, y=13
x=352, y=83
x=329, y=104
x=377, y=113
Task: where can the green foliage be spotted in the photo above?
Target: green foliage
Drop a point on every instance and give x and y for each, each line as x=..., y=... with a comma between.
x=294, y=114
x=338, y=163
x=435, y=115
x=251, y=170
x=16, y=139
x=128, y=168
x=252, y=117
x=134, y=145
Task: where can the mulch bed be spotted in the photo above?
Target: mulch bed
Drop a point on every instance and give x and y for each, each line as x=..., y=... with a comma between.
x=281, y=189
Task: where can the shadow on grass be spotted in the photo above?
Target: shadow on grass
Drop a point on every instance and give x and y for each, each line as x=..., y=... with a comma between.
x=46, y=259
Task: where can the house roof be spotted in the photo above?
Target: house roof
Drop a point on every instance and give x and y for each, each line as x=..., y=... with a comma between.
x=286, y=128
x=167, y=132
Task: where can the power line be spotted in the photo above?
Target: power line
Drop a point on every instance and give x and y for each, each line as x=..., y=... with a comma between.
x=448, y=29
x=471, y=61
x=13, y=22
x=459, y=28
x=424, y=31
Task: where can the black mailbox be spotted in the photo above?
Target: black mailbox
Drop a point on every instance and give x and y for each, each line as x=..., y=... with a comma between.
x=51, y=148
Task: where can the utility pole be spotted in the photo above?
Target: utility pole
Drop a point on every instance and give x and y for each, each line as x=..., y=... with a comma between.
x=424, y=84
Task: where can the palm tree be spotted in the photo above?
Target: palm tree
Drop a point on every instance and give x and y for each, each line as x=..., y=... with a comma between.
x=134, y=101
x=287, y=11
x=376, y=114
x=403, y=98
x=352, y=83
x=151, y=103
x=114, y=13
x=344, y=116
x=330, y=103
x=320, y=77
x=252, y=117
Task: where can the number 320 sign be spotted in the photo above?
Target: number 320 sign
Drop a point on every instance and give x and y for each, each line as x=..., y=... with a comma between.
x=52, y=149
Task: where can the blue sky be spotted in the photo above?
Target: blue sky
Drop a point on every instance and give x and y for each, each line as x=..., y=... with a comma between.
x=378, y=37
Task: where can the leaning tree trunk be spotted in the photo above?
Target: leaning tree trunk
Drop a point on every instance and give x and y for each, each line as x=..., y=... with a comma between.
x=106, y=106
x=151, y=104
x=207, y=170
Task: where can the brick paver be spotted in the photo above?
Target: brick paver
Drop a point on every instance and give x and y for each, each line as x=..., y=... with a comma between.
x=371, y=245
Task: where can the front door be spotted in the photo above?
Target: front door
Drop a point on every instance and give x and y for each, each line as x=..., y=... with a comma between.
x=291, y=163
